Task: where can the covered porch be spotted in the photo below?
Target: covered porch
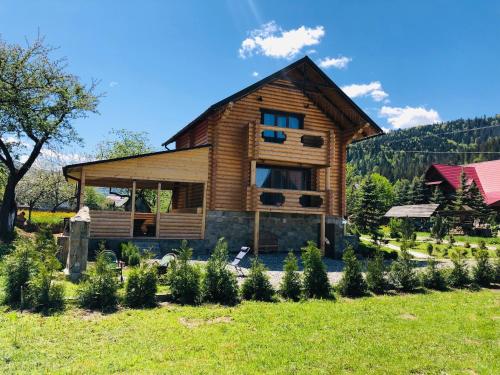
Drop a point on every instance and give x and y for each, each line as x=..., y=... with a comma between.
x=162, y=195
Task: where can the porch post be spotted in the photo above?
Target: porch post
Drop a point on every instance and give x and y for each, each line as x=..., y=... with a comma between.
x=81, y=196
x=204, y=211
x=158, y=210
x=132, y=210
x=256, y=227
x=322, y=233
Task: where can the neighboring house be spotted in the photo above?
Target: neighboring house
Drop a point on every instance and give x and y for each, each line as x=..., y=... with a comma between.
x=264, y=167
x=486, y=176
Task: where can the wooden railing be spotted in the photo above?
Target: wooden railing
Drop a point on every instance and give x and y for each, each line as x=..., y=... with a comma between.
x=289, y=201
x=297, y=145
x=173, y=225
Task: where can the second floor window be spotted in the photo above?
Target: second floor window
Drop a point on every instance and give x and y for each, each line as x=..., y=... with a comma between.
x=280, y=120
x=283, y=178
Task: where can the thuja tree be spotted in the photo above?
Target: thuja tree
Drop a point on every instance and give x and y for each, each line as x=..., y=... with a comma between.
x=367, y=212
x=39, y=101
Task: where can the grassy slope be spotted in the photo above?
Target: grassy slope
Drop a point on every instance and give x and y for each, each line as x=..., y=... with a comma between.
x=428, y=333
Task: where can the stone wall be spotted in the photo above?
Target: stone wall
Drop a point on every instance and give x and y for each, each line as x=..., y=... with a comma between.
x=292, y=230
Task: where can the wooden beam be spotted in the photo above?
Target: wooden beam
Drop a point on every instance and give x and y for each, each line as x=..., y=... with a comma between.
x=81, y=198
x=204, y=211
x=253, y=171
x=132, y=210
x=256, y=227
x=158, y=192
x=322, y=228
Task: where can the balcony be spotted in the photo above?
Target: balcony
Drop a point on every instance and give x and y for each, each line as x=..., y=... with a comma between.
x=270, y=143
x=288, y=201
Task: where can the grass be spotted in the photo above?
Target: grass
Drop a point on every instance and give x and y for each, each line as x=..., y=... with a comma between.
x=421, y=333
x=45, y=217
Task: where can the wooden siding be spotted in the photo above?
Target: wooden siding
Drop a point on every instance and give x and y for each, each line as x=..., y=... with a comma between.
x=291, y=204
x=181, y=166
x=230, y=173
x=109, y=224
x=181, y=225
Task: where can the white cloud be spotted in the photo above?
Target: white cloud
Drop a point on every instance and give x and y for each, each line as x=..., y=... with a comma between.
x=255, y=74
x=409, y=116
x=340, y=63
x=113, y=84
x=272, y=41
x=372, y=89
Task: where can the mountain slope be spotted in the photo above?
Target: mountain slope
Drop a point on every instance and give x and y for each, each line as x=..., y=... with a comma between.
x=391, y=154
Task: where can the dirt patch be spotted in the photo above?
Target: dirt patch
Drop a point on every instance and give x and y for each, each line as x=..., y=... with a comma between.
x=193, y=323
x=88, y=315
x=408, y=316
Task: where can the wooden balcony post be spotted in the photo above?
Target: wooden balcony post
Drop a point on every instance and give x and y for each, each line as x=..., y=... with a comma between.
x=81, y=196
x=158, y=193
x=256, y=227
x=322, y=229
x=132, y=210
x=204, y=211
x=253, y=171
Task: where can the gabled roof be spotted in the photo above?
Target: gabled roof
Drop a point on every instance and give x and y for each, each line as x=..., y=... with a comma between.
x=486, y=176
x=306, y=75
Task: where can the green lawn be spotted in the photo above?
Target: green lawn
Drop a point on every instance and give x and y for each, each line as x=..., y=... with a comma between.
x=451, y=332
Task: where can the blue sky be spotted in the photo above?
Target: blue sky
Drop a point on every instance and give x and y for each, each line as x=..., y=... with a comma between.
x=161, y=63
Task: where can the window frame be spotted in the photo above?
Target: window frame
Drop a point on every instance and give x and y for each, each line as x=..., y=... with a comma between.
x=276, y=113
x=307, y=177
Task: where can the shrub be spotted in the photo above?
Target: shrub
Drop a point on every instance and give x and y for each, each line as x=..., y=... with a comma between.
x=98, y=289
x=432, y=277
x=184, y=278
x=430, y=249
x=444, y=251
x=19, y=267
x=402, y=275
x=43, y=293
x=467, y=245
x=375, y=274
x=219, y=283
x=497, y=265
x=141, y=287
x=352, y=283
x=482, y=272
x=316, y=284
x=130, y=254
x=394, y=227
x=451, y=239
x=257, y=285
x=291, y=285
x=458, y=276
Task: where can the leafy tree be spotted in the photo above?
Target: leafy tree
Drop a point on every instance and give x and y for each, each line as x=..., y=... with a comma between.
x=395, y=227
x=38, y=102
x=291, y=285
x=316, y=284
x=352, y=283
x=384, y=191
x=94, y=200
x=367, y=212
x=219, y=283
x=439, y=228
x=122, y=143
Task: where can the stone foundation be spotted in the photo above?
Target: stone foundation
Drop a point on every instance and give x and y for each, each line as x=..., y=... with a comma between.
x=292, y=230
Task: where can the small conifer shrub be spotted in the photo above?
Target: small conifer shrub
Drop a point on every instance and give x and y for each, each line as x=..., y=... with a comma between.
x=257, y=285
x=316, y=284
x=352, y=283
x=291, y=285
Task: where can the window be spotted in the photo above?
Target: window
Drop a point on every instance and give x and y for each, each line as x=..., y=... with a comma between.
x=283, y=178
x=280, y=120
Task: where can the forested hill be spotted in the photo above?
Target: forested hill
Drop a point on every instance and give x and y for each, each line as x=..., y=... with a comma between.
x=390, y=154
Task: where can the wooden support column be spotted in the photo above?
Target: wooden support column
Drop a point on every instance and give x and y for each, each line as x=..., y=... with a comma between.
x=81, y=196
x=132, y=210
x=256, y=227
x=204, y=211
x=322, y=228
x=253, y=171
x=158, y=192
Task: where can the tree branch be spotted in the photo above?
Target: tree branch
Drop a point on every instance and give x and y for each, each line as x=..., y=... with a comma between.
x=31, y=159
x=6, y=158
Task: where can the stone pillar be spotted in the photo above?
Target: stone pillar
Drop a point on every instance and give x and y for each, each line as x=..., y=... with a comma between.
x=79, y=231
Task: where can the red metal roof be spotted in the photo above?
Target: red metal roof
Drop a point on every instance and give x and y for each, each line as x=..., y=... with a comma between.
x=486, y=175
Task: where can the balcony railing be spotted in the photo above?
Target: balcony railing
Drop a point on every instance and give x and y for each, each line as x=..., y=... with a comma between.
x=283, y=144
x=289, y=201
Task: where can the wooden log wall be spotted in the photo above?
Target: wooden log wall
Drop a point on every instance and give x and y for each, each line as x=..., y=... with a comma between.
x=181, y=225
x=110, y=224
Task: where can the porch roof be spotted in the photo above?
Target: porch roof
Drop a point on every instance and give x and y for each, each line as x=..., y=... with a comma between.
x=186, y=165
